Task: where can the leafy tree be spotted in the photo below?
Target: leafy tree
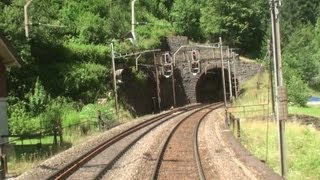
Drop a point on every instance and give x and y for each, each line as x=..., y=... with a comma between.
x=159, y=8
x=20, y=120
x=296, y=12
x=315, y=81
x=240, y=23
x=67, y=54
x=300, y=52
x=52, y=118
x=85, y=81
x=185, y=17
x=297, y=90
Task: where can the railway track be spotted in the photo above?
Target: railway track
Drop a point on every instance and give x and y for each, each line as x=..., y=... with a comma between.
x=163, y=147
x=179, y=158
x=95, y=163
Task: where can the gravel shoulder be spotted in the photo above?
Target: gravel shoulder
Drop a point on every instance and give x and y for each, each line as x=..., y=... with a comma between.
x=56, y=162
x=227, y=156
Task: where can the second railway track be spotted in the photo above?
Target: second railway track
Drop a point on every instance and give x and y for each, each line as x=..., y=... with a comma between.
x=95, y=163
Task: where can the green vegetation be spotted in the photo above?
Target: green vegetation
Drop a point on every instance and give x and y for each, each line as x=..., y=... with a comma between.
x=302, y=147
x=67, y=54
x=261, y=137
x=66, y=62
x=255, y=92
x=30, y=153
x=309, y=110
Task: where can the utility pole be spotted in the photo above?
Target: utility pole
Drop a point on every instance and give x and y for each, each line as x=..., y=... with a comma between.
x=229, y=77
x=2, y=170
x=235, y=75
x=173, y=88
x=157, y=81
x=271, y=76
x=26, y=19
x=114, y=80
x=222, y=72
x=280, y=91
x=133, y=20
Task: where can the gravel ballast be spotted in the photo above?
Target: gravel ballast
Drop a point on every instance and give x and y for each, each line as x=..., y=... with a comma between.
x=56, y=162
x=222, y=156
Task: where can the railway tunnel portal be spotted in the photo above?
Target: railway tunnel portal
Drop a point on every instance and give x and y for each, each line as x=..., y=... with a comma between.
x=203, y=84
x=209, y=87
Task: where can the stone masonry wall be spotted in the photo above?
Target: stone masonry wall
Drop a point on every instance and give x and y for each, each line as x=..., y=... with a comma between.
x=210, y=59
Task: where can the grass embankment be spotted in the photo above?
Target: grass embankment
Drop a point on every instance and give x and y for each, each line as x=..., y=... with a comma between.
x=309, y=110
x=78, y=126
x=261, y=137
x=28, y=154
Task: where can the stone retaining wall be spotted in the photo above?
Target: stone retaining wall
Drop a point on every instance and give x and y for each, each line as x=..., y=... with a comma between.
x=305, y=120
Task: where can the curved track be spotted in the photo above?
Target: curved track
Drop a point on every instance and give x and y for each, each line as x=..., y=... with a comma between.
x=179, y=158
x=95, y=163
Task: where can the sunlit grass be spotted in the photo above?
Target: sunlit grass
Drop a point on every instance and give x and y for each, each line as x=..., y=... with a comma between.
x=302, y=144
x=255, y=91
x=31, y=154
x=309, y=110
x=18, y=166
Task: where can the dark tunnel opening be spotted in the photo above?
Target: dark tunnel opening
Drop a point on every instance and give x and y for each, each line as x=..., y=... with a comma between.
x=209, y=87
x=141, y=96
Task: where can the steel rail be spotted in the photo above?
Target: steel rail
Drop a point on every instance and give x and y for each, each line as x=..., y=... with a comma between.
x=156, y=170
x=73, y=166
x=124, y=150
x=196, y=148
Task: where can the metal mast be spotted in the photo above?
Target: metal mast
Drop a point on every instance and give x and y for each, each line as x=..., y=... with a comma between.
x=280, y=91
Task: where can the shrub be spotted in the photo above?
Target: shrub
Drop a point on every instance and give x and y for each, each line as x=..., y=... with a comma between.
x=20, y=121
x=38, y=98
x=297, y=90
x=85, y=81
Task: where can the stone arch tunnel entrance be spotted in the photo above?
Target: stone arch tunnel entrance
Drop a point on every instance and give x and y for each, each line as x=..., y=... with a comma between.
x=209, y=88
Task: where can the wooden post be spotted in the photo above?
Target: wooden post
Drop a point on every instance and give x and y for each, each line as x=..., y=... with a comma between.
x=232, y=122
x=227, y=117
x=100, y=121
x=173, y=88
x=60, y=130
x=222, y=74
x=2, y=171
x=55, y=134
x=238, y=127
x=114, y=80
x=235, y=75
x=229, y=78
